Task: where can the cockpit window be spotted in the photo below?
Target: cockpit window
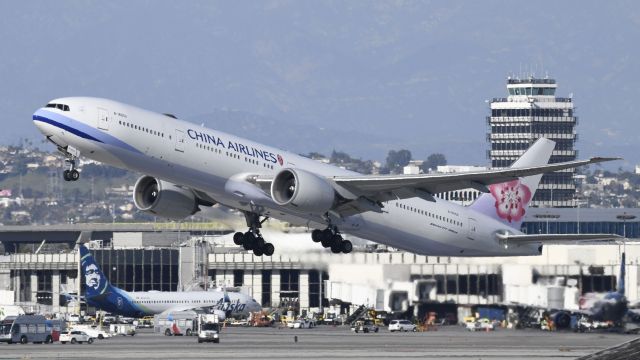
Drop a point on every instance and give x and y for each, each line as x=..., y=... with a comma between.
x=62, y=107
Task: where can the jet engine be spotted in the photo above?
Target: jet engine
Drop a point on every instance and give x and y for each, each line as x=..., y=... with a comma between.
x=164, y=199
x=303, y=191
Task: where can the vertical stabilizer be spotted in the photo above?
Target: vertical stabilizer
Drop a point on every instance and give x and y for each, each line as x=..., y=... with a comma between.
x=621, y=282
x=96, y=283
x=508, y=202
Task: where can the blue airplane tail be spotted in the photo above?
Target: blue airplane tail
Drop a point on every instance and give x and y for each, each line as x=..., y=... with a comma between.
x=96, y=283
x=621, y=283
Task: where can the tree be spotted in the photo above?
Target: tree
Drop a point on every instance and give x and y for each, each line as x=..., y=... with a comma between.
x=396, y=160
x=433, y=161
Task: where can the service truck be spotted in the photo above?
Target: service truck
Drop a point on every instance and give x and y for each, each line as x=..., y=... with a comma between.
x=208, y=328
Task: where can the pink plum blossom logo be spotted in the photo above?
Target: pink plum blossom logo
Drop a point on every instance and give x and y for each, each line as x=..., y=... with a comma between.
x=511, y=199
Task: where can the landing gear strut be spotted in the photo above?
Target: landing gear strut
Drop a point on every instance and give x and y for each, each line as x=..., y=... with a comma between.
x=71, y=156
x=331, y=238
x=252, y=239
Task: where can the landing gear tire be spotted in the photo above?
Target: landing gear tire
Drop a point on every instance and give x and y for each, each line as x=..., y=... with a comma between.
x=336, y=249
x=258, y=251
x=346, y=246
x=74, y=175
x=316, y=235
x=268, y=249
x=247, y=240
x=326, y=237
x=65, y=175
x=258, y=243
x=237, y=238
x=336, y=241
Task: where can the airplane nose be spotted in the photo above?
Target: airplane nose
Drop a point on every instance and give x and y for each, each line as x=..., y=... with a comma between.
x=40, y=125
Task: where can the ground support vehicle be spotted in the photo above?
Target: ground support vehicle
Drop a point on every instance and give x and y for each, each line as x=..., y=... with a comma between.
x=365, y=326
x=208, y=328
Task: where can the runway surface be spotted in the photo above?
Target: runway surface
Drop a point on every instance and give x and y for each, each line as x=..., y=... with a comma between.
x=452, y=342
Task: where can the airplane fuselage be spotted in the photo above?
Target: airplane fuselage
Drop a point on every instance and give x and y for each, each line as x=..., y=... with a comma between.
x=209, y=161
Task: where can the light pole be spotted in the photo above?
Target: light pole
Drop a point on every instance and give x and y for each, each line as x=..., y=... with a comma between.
x=624, y=217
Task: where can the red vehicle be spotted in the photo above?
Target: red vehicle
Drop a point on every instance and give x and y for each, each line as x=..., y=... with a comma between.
x=55, y=327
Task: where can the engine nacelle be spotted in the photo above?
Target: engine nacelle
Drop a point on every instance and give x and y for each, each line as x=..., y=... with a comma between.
x=302, y=191
x=164, y=199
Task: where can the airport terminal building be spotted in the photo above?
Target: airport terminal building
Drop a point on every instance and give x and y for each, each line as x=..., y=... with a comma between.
x=302, y=276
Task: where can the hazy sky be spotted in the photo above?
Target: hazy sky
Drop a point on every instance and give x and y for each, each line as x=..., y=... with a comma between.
x=397, y=74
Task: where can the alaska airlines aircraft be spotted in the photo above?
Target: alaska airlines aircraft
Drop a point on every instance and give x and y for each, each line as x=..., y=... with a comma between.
x=187, y=166
x=102, y=295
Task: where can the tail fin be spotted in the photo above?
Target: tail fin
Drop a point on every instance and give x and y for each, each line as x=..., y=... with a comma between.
x=96, y=283
x=507, y=202
x=621, y=282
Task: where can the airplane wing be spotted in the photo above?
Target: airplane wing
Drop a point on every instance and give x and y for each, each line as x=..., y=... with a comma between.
x=557, y=238
x=367, y=192
x=404, y=186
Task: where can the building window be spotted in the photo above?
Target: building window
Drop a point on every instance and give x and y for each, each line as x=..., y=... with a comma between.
x=238, y=278
x=266, y=288
x=315, y=285
x=290, y=288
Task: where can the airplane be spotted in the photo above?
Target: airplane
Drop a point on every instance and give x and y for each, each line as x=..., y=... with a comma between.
x=187, y=166
x=101, y=294
x=613, y=306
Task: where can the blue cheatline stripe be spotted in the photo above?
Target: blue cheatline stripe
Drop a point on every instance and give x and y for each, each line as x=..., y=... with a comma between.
x=74, y=131
x=81, y=129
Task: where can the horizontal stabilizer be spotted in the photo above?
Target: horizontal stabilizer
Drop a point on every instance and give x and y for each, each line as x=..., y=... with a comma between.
x=558, y=238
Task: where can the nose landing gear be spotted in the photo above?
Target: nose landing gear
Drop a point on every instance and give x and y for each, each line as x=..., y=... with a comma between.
x=71, y=154
x=71, y=174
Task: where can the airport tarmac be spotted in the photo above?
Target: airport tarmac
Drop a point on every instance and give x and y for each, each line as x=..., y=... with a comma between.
x=452, y=342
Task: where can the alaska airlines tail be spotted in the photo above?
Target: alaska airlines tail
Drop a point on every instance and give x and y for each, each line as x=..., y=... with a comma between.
x=507, y=202
x=100, y=293
x=96, y=283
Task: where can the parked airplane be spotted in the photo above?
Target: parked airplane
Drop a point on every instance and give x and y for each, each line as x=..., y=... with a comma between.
x=188, y=166
x=102, y=295
x=613, y=306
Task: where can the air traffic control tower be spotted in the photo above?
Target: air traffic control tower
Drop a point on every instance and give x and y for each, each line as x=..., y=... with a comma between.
x=531, y=111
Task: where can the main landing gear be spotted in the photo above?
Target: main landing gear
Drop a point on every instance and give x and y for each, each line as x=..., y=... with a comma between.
x=252, y=239
x=72, y=174
x=331, y=238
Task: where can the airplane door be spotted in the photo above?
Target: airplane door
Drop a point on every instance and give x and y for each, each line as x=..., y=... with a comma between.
x=473, y=229
x=103, y=119
x=179, y=140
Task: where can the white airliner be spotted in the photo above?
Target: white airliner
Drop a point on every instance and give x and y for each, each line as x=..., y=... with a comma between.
x=101, y=294
x=188, y=166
